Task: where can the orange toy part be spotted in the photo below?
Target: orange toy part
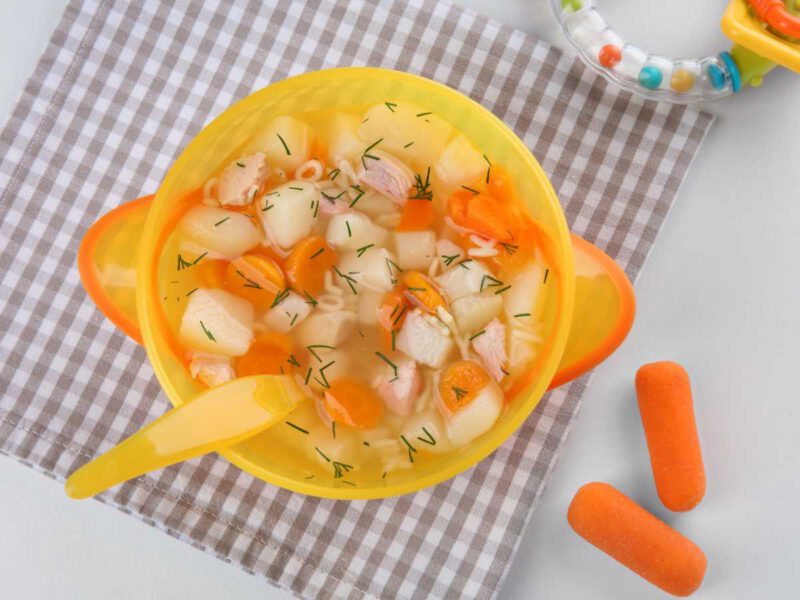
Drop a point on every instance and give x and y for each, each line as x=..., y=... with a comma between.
x=609, y=520
x=307, y=264
x=775, y=14
x=268, y=355
x=351, y=402
x=665, y=404
x=460, y=382
x=417, y=215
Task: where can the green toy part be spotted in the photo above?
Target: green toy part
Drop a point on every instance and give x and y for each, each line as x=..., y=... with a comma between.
x=752, y=66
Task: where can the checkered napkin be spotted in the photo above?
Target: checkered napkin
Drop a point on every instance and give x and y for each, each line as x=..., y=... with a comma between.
x=120, y=89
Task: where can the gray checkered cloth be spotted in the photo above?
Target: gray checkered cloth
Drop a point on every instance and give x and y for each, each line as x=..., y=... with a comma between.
x=120, y=90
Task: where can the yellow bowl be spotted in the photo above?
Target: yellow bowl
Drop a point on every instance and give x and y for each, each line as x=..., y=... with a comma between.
x=159, y=286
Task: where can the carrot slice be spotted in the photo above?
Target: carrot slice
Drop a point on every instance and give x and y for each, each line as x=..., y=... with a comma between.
x=422, y=292
x=307, y=264
x=417, y=215
x=255, y=278
x=351, y=402
x=268, y=355
x=460, y=382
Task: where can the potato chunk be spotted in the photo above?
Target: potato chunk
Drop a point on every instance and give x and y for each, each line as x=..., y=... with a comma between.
x=289, y=212
x=224, y=233
x=288, y=311
x=415, y=249
x=345, y=141
x=372, y=269
x=460, y=163
x=286, y=142
x=352, y=230
x=217, y=322
x=475, y=310
x=463, y=278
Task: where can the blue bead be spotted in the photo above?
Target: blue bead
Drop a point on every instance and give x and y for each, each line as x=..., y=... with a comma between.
x=733, y=71
x=716, y=76
x=650, y=77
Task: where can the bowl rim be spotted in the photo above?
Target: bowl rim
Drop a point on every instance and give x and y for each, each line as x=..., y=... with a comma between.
x=494, y=438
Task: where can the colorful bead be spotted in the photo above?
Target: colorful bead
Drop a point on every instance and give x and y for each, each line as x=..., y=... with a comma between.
x=716, y=76
x=650, y=77
x=733, y=71
x=609, y=55
x=682, y=81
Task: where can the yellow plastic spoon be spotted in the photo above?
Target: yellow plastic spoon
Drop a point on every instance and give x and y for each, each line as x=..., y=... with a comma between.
x=219, y=417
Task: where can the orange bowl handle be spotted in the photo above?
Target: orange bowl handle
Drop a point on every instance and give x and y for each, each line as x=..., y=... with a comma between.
x=107, y=263
x=605, y=306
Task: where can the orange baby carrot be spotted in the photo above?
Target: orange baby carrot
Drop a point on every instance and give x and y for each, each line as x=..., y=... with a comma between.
x=609, y=520
x=665, y=404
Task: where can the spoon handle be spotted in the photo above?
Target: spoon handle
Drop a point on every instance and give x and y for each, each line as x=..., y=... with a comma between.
x=216, y=418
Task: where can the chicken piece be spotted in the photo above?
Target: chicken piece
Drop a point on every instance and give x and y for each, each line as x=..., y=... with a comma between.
x=491, y=347
x=211, y=369
x=288, y=311
x=217, y=322
x=387, y=175
x=399, y=392
x=240, y=181
x=425, y=339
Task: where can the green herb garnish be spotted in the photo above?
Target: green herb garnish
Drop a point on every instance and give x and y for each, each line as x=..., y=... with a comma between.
x=367, y=155
x=459, y=392
x=311, y=299
x=360, y=191
x=510, y=248
x=334, y=174
x=191, y=292
x=385, y=359
x=424, y=114
x=218, y=223
x=249, y=283
x=390, y=105
x=489, y=169
x=299, y=189
x=411, y=448
x=547, y=271
x=448, y=259
x=428, y=439
x=282, y=295
x=300, y=429
x=242, y=165
x=311, y=350
x=363, y=249
x=285, y=147
x=422, y=189
x=503, y=289
x=520, y=315
x=471, y=190
x=477, y=335
x=408, y=145
x=317, y=253
x=209, y=335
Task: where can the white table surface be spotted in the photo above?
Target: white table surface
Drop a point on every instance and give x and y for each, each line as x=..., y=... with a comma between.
x=719, y=294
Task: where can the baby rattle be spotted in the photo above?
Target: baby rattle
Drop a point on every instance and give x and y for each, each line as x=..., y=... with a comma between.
x=766, y=33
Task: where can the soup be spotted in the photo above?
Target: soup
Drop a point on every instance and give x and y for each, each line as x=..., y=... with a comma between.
x=381, y=259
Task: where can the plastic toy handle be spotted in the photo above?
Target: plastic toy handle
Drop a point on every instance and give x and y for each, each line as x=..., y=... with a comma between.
x=777, y=16
x=219, y=417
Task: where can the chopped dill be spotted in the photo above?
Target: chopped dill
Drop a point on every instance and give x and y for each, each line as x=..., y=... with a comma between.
x=310, y=477
x=300, y=429
x=363, y=249
x=422, y=189
x=385, y=359
x=209, y=335
x=463, y=263
x=285, y=147
x=191, y=292
x=411, y=449
x=324, y=383
x=348, y=483
x=282, y=295
x=520, y=315
x=183, y=264
x=294, y=318
x=489, y=169
x=384, y=475
x=293, y=187
x=267, y=206
x=494, y=282
x=428, y=439
x=333, y=429
x=218, y=223
x=349, y=232
x=471, y=190
x=350, y=281
x=400, y=316
x=333, y=199
x=274, y=194
x=322, y=454
x=505, y=372
x=424, y=114
x=313, y=346
x=408, y=145
x=546, y=273
x=311, y=300
x=249, y=283
x=394, y=336
x=502, y=289
x=417, y=289
x=459, y=392
x=317, y=253
x=390, y=105
x=366, y=444
x=308, y=375
x=316, y=209
x=510, y=248
x=477, y=335
x=241, y=165
x=448, y=259
x=360, y=191
x=391, y=264
x=367, y=155
x=292, y=360
x=334, y=174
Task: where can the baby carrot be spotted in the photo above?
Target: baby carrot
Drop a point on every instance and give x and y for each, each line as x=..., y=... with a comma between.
x=609, y=520
x=665, y=404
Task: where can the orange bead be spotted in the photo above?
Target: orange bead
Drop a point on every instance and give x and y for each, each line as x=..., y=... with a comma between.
x=609, y=55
